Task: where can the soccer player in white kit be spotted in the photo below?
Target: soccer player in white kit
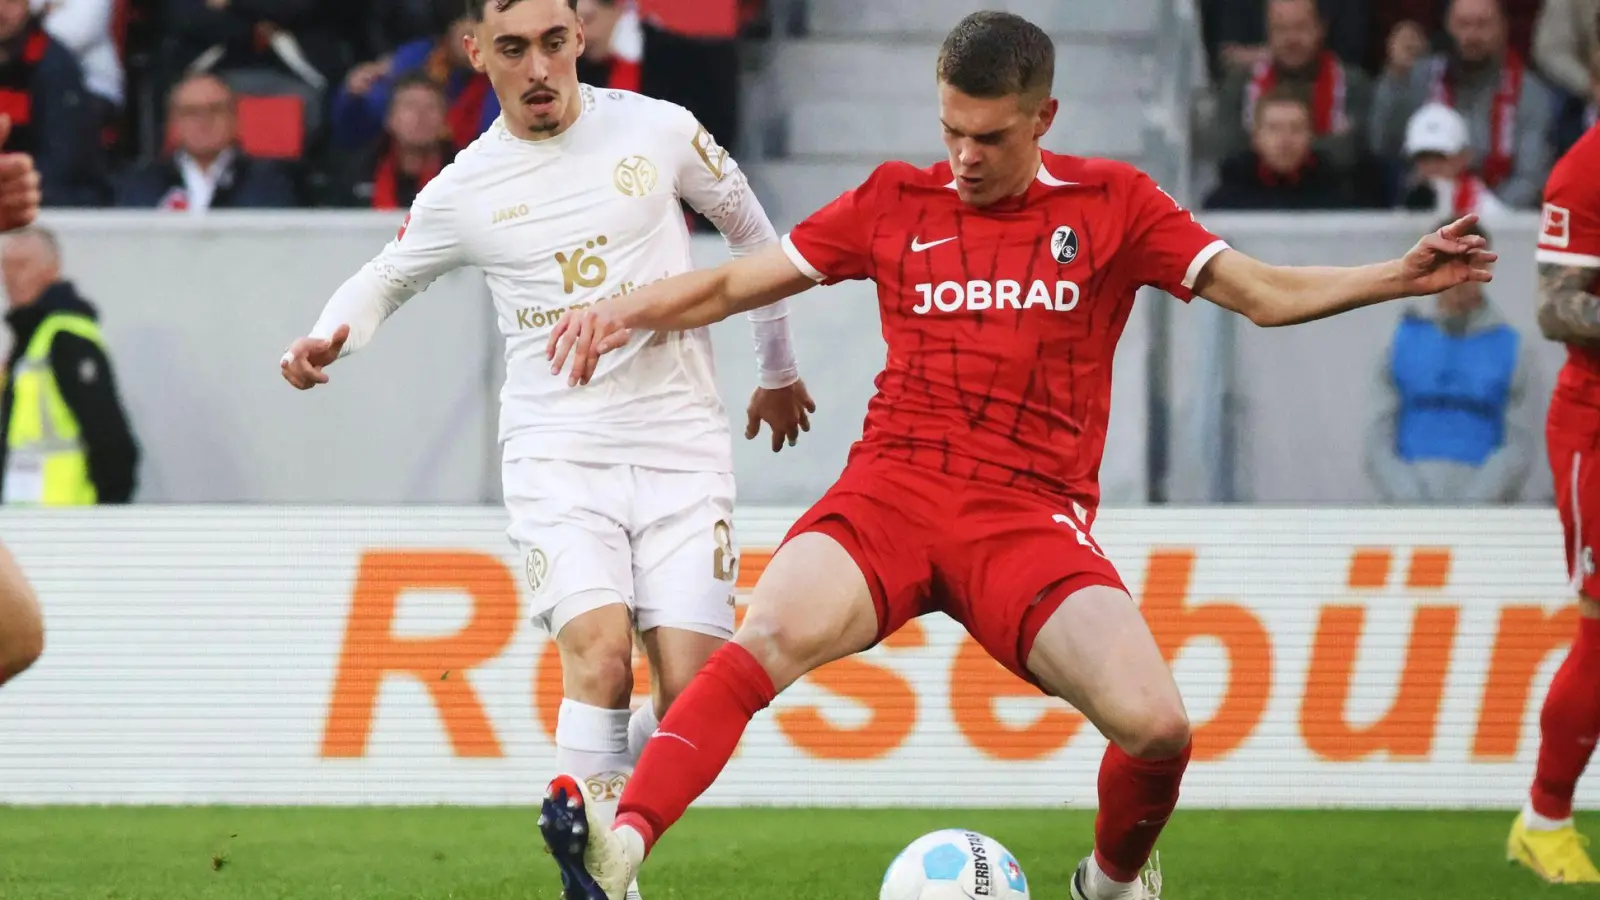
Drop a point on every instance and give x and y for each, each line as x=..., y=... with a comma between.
x=620, y=492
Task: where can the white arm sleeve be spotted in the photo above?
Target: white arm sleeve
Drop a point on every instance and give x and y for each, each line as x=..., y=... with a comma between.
x=711, y=181
x=426, y=248
x=78, y=24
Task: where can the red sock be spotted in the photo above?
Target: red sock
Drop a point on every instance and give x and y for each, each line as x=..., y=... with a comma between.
x=1569, y=724
x=1137, y=796
x=694, y=742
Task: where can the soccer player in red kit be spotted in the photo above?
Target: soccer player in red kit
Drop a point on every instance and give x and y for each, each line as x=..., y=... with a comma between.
x=1005, y=277
x=1543, y=837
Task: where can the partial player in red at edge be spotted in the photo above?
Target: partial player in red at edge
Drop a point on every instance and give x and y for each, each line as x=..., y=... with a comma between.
x=1005, y=277
x=1543, y=837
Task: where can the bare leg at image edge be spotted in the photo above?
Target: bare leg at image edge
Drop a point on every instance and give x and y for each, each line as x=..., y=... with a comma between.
x=21, y=622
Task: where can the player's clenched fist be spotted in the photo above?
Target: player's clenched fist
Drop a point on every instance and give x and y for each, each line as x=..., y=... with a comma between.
x=585, y=335
x=302, y=366
x=19, y=185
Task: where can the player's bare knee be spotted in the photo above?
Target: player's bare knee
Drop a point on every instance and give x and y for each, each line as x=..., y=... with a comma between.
x=20, y=648
x=602, y=676
x=1588, y=607
x=597, y=657
x=786, y=650
x=1160, y=732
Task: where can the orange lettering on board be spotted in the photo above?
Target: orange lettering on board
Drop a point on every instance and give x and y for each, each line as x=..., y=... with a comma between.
x=1174, y=624
x=372, y=651
x=976, y=682
x=1407, y=730
x=889, y=699
x=1526, y=637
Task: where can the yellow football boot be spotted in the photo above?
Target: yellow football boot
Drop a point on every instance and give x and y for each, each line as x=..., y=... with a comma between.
x=1559, y=857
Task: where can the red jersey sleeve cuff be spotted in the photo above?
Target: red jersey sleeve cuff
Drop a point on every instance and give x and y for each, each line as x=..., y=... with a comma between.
x=800, y=261
x=1563, y=258
x=1201, y=259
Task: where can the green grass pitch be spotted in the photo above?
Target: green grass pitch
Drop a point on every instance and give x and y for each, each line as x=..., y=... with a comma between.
x=494, y=854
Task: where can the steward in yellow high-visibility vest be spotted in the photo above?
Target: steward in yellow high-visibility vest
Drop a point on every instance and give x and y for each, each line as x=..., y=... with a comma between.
x=66, y=437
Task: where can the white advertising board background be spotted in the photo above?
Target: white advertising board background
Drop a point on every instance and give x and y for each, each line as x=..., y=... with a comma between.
x=378, y=655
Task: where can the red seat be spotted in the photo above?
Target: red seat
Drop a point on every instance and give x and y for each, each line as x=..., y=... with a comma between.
x=272, y=127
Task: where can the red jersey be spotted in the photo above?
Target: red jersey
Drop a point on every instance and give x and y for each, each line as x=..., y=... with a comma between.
x=1002, y=322
x=1570, y=236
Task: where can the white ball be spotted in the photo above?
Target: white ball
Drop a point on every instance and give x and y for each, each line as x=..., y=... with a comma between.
x=954, y=865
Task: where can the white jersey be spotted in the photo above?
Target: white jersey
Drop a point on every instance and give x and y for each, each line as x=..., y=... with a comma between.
x=563, y=223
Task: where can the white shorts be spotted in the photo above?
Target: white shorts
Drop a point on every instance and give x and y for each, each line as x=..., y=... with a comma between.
x=659, y=541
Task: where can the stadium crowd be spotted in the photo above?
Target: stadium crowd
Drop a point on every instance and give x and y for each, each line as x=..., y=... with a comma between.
x=200, y=104
x=1450, y=106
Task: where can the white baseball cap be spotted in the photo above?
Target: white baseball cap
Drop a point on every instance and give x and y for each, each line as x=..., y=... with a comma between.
x=1436, y=128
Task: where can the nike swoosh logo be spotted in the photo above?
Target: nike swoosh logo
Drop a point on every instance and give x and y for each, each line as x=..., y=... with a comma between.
x=917, y=246
x=658, y=733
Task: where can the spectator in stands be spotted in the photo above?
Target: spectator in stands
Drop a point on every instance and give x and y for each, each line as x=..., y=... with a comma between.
x=1457, y=416
x=42, y=90
x=406, y=158
x=1283, y=170
x=1564, y=42
x=1508, y=107
x=613, y=44
x=390, y=24
x=1567, y=48
x=207, y=169
x=1427, y=20
x=67, y=441
x=362, y=104
x=265, y=47
x=84, y=27
x=1441, y=180
x=691, y=58
x=1237, y=36
x=1339, y=96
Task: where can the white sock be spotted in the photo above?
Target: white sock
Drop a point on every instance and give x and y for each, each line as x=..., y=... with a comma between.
x=1535, y=822
x=633, y=842
x=640, y=727
x=1100, y=886
x=592, y=746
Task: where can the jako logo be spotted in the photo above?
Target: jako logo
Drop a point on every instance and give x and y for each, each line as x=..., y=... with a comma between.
x=952, y=296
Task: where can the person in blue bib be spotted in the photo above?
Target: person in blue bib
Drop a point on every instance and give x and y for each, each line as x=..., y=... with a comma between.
x=1456, y=422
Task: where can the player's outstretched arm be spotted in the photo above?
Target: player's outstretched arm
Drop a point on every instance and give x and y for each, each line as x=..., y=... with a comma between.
x=1567, y=311
x=691, y=300
x=1273, y=296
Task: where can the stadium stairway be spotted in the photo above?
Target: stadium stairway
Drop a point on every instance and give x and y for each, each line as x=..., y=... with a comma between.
x=855, y=86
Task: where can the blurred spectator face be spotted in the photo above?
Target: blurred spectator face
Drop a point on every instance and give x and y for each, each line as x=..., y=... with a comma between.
x=1283, y=136
x=417, y=117
x=1461, y=300
x=599, y=18
x=456, y=42
x=1294, y=32
x=29, y=263
x=1448, y=166
x=13, y=18
x=1479, y=30
x=530, y=52
x=203, y=117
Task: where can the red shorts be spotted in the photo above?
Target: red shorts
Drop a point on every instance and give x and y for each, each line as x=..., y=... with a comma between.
x=1575, y=468
x=999, y=560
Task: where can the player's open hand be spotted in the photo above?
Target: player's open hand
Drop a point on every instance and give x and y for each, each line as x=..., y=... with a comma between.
x=1446, y=258
x=584, y=335
x=302, y=366
x=787, y=412
x=19, y=185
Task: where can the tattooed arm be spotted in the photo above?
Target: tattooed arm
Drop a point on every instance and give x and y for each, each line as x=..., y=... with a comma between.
x=1568, y=312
